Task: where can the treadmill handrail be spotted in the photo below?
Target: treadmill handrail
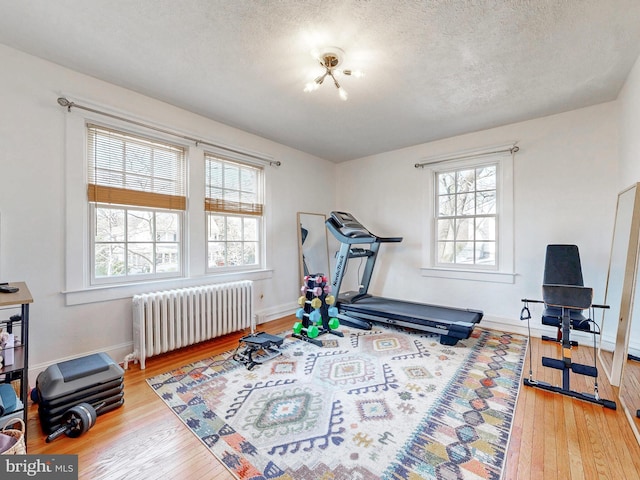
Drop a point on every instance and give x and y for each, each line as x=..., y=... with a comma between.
x=389, y=239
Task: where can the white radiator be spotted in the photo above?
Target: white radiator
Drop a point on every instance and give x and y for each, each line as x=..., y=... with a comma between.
x=164, y=321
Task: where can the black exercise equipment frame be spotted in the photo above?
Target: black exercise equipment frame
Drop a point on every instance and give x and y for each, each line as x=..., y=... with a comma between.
x=565, y=364
x=254, y=343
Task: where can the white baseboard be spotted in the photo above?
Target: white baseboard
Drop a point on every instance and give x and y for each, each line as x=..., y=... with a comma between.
x=507, y=325
x=538, y=330
x=274, y=313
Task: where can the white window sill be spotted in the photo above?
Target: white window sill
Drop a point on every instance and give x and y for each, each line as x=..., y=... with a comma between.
x=477, y=275
x=104, y=293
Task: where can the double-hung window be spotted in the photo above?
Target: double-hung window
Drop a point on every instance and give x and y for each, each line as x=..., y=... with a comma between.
x=466, y=216
x=471, y=232
x=137, y=197
x=234, y=213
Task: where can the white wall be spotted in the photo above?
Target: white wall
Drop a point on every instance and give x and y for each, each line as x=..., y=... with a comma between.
x=629, y=100
x=566, y=185
x=32, y=204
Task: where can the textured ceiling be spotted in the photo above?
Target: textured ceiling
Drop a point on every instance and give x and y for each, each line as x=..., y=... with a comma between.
x=434, y=69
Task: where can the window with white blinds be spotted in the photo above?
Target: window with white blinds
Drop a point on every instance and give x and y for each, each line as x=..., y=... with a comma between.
x=137, y=196
x=234, y=209
x=126, y=169
x=232, y=187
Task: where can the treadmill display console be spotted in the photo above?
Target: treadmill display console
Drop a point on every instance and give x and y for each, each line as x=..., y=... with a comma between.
x=349, y=226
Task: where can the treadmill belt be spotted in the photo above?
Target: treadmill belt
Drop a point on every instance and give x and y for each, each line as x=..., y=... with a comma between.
x=409, y=311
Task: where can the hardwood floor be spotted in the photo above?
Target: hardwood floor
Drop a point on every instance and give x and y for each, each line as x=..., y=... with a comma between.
x=554, y=437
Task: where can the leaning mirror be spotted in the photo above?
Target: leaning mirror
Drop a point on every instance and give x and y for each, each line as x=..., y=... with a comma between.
x=313, y=251
x=629, y=393
x=620, y=280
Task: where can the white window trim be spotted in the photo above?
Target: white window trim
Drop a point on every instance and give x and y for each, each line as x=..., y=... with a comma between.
x=504, y=271
x=78, y=289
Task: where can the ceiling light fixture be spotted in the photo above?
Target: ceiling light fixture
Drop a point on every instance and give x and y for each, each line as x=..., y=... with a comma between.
x=330, y=58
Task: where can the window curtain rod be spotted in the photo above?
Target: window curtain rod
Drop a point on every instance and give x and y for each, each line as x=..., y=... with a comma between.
x=510, y=150
x=63, y=102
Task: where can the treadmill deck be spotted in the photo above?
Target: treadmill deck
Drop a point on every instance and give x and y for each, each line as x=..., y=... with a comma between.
x=411, y=311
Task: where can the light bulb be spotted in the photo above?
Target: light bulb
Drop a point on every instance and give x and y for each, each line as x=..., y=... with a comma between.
x=311, y=86
x=354, y=73
x=343, y=93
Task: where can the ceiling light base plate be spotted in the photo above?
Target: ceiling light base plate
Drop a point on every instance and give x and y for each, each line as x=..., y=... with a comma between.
x=330, y=57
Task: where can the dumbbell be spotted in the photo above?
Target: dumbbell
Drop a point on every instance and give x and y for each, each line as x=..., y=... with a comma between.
x=315, y=303
x=314, y=317
x=317, y=278
x=76, y=421
x=317, y=291
x=311, y=332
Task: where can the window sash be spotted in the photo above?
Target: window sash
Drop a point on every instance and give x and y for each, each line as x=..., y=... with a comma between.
x=459, y=215
x=233, y=191
x=228, y=195
x=127, y=169
x=245, y=247
x=131, y=244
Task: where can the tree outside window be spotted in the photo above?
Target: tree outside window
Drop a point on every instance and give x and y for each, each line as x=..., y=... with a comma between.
x=466, y=216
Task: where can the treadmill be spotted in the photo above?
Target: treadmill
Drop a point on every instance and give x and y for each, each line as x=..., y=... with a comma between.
x=359, y=309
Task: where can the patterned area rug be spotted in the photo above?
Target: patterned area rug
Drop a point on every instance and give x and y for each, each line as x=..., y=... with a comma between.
x=378, y=404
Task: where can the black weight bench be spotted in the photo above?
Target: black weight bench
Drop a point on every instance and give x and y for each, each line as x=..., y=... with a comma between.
x=565, y=298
